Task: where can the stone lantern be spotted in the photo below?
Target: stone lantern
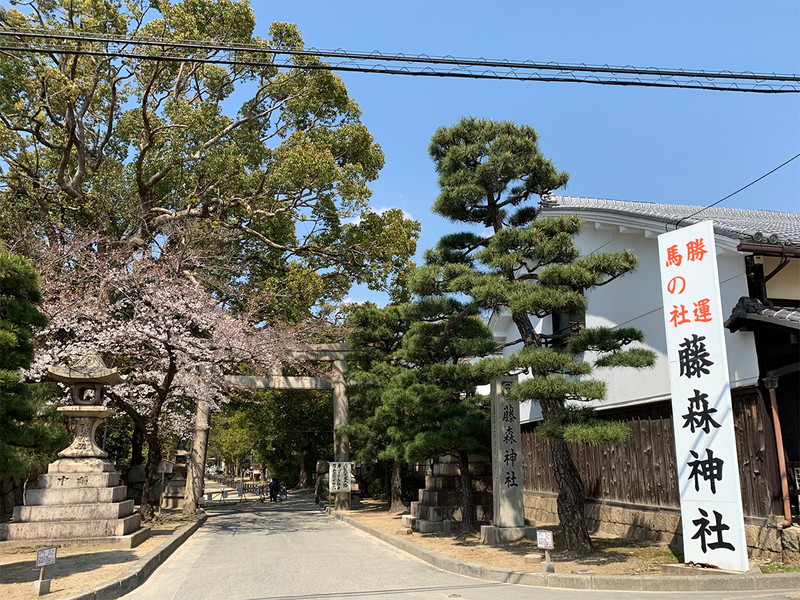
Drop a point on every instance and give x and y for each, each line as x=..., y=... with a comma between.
x=80, y=496
x=87, y=380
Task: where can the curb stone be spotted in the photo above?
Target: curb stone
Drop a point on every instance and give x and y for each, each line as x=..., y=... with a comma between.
x=650, y=583
x=141, y=569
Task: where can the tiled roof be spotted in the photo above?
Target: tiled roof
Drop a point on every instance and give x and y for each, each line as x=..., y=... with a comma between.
x=760, y=226
x=749, y=310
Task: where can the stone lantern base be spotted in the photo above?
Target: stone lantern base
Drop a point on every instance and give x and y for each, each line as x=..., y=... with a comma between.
x=79, y=498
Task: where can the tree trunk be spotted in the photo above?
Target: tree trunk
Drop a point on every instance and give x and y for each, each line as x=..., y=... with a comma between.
x=570, y=501
x=137, y=447
x=148, y=505
x=396, y=488
x=468, y=511
x=196, y=467
x=302, y=478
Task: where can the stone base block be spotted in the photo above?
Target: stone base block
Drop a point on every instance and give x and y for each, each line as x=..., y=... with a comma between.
x=437, y=482
x=408, y=521
x=700, y=571
x=41, y=587
x=445, y=469
x=172, y=502
x=532, y=559
x=547, y=567
x=73, y=512
x=497, y=536
x=75, y=495
x=130, y=540
x=81, y=465
x=424, y=526
x=78, y=480
x=64, y=530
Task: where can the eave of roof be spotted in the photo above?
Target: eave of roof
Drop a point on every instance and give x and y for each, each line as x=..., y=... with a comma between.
x=772, y=230
x=749, y=314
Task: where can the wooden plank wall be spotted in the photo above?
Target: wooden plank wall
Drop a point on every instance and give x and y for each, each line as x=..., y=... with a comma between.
x=641, y=471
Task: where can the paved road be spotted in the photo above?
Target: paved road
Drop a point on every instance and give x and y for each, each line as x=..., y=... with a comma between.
x=293, y=551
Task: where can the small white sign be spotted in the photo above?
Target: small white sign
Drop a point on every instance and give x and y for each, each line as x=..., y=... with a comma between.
x=45, y=557
x=544, y=539
x=339, y=477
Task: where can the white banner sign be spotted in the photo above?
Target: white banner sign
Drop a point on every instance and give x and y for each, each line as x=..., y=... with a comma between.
x=702, y=414
x=339, y=477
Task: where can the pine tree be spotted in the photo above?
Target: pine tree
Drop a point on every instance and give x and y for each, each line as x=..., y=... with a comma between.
x=421, y=382
x=22, y=435
x=513, y=260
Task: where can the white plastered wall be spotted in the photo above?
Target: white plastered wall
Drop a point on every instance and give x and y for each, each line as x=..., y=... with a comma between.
x=635, y=301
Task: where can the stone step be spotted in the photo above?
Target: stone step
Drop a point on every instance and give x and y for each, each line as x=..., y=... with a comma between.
x=445, y=469
x=435, y=513
x=440, y=482
x=78, y=480
x=85, y=495
x=73, y=512
x=409, y=521
x=58, y=530
x=424, y=526
x=415, y=508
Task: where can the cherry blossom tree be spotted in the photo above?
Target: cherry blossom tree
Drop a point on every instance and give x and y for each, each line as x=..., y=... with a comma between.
x=169, y=338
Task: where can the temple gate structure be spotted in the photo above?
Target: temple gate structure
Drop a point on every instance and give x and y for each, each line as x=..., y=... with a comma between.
x=327, y=353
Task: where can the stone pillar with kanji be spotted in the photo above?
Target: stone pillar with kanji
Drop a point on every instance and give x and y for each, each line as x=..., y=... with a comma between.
x=509, y=519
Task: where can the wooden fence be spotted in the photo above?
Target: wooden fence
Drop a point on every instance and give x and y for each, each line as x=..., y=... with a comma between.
x=641, y=471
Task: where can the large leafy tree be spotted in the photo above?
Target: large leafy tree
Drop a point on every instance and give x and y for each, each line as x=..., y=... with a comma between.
x=24, y=437
x=170, y=339
x=247, y=180
x=490, y=176
x=154, y=154
x=375, y=336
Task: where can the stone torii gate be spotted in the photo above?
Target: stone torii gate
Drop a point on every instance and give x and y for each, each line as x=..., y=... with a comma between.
x=334, y=354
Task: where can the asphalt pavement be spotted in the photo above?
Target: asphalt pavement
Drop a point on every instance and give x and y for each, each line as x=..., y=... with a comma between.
x=292, y=550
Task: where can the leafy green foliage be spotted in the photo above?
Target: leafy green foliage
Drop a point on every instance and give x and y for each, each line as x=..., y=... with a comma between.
x=529, y=267
x=271, y=198
x=26, y=438
x=291, y=431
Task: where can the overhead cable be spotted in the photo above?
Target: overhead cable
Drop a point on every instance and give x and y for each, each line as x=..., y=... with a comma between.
x=744, y=187
x=70, y=42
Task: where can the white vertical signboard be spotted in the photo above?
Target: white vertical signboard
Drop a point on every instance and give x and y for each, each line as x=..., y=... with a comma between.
x=339, y=477
x=702, y=415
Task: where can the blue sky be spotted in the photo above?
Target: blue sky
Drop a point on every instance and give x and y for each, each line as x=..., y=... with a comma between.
x=643, y=144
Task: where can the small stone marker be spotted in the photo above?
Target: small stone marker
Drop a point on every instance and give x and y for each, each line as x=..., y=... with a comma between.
x=44, y=557
x=532, y=559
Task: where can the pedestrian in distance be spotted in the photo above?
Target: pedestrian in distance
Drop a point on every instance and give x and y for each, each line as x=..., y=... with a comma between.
x=273, y=490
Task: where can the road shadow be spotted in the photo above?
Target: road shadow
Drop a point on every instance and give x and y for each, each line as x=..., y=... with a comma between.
x=25, y=570
x=296, y=513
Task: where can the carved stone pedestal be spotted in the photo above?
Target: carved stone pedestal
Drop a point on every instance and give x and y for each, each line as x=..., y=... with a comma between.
x=79, y=498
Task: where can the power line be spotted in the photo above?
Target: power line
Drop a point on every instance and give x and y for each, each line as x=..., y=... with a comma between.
x=783, y=164
x=417, y=65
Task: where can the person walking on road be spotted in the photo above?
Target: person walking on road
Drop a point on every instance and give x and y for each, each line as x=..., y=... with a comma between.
x=273, y=490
